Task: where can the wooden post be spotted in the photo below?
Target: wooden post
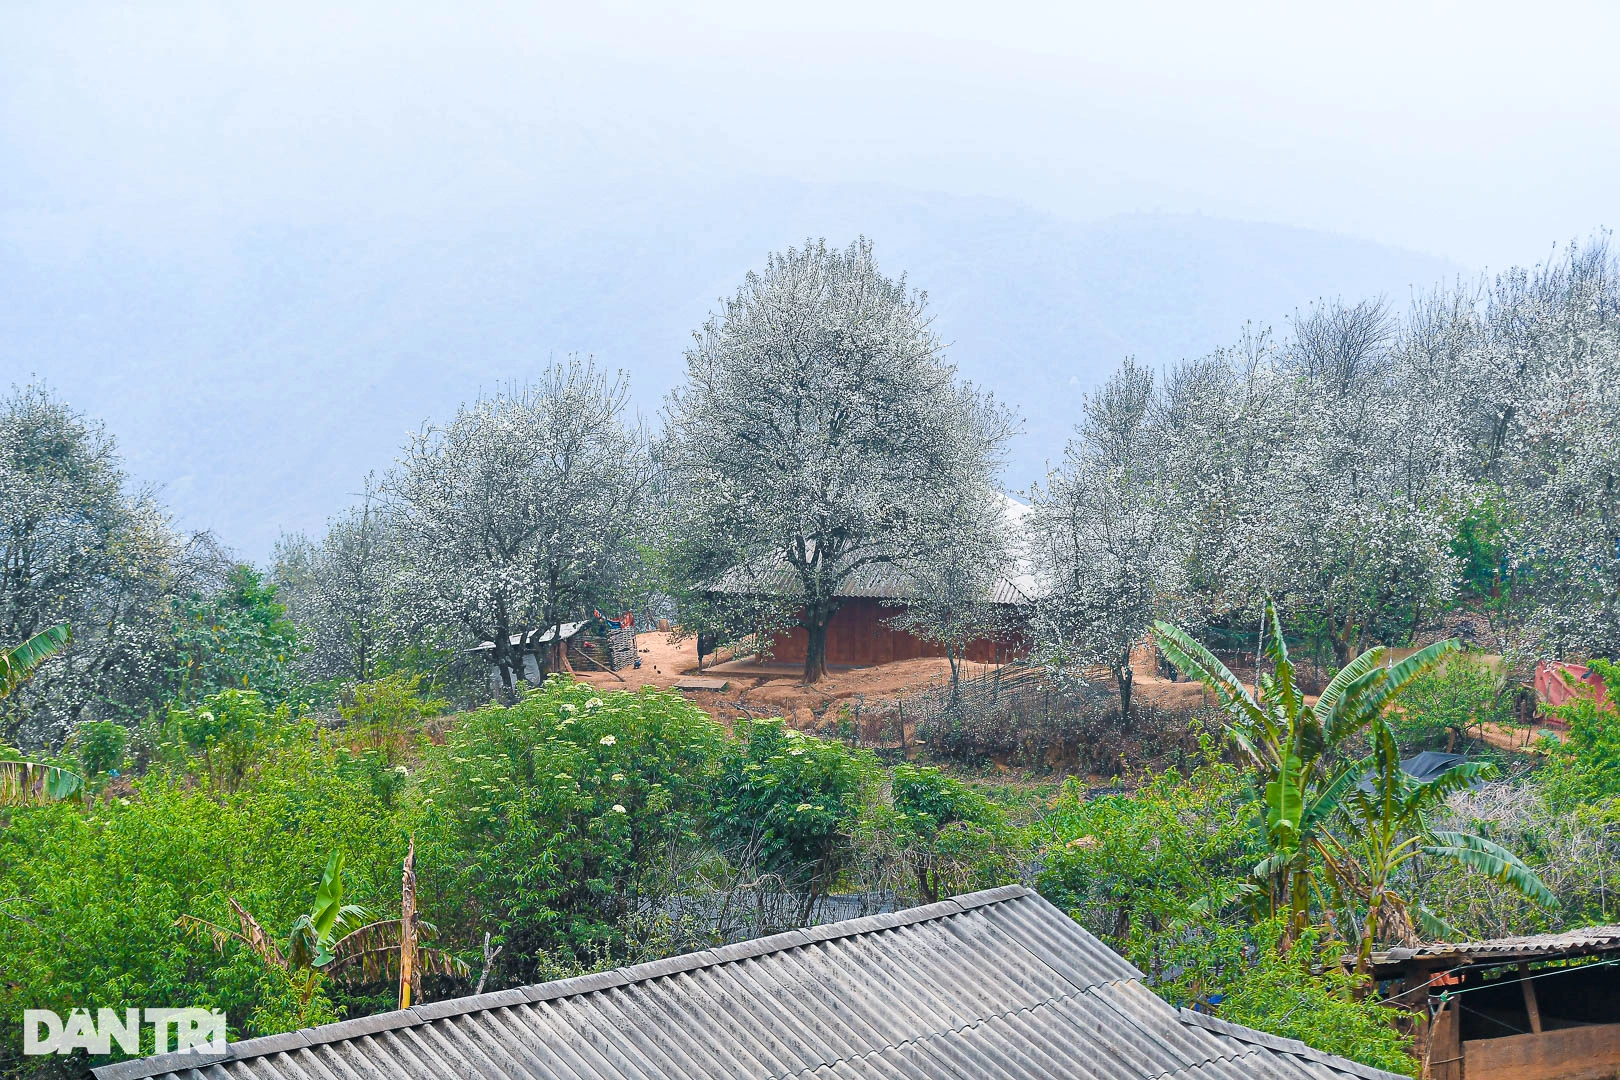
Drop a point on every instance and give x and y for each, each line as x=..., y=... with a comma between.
x=1531, y=1006
x=1444, y=1060
x=407, y=928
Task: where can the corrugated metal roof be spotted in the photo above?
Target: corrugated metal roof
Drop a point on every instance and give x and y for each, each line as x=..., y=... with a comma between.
x=1590, y=941
x=876, y=581
x=995, y=985
x=568, y=630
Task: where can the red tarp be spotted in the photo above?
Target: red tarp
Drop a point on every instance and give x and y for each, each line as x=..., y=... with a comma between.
x=1557, y=683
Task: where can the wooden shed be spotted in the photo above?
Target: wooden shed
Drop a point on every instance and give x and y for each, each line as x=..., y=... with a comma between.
x=1541, y=1007
x=861, y=634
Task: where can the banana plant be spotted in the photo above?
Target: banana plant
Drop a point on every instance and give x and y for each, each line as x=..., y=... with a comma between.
x=311, y=944
x=1295, y=750
x=392, y=949
x=1383, y=826
x=332, y=940
x=29, y=782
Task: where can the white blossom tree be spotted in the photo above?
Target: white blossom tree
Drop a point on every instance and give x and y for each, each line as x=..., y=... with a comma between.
x=1326, y=472
x=1551, y=351
x=1222, y=430
x=1368, y=498
x=1103, y=538
x=523, y=512
x=344, y=593
x=954, y=577
x=819, y=430
x=78, y=546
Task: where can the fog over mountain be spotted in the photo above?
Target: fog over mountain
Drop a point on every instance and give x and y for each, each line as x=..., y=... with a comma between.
x=256, y=378
x=264, y=242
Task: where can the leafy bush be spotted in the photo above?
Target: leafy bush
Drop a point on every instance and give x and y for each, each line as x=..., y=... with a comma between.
x=1593, y=754
x=550, y=822
x=386, y=715
x=1127, y=866
x=223, y=734
x=1151, y=873
x=951, y=838
x=100, y=746
x=1304, y=993
x=1438, y=707
x=787, y=805
x=89, y=897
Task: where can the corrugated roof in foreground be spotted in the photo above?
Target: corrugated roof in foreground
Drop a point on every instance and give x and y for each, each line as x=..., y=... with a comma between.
x=1590, y=941
x=995, y=985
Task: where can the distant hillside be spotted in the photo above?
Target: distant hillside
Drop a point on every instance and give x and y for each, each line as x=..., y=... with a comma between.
x=256, y=377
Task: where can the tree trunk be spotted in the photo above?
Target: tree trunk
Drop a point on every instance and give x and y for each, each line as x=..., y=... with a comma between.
x=1125, y=677
x=410, y=987
x=503, y=659
x=815, y=649
x=1344, y=641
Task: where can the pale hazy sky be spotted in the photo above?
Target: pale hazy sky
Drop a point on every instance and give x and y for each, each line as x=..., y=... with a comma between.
x=1480, y=132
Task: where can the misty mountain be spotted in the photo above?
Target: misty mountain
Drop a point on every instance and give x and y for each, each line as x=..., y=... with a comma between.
x=256, y=374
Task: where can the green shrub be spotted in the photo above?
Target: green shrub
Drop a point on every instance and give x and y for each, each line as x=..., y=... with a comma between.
x=1304, y=994
x=1126, y=866
x=224, y=734
x=89, y=895
x=386, y=714
x=1152, y=872
x=788, y=805
x=951, y=838
x=1590, y=761
x=549, y=822
x=100, y=746
x=1439, y=707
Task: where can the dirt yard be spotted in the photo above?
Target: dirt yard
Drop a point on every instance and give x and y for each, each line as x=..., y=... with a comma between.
x=776, y=689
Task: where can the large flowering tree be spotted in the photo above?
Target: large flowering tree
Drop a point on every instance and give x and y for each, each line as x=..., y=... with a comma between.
x=820, y=432
x=523, y=512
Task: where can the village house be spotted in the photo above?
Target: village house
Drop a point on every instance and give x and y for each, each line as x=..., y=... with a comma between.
x=863, y=632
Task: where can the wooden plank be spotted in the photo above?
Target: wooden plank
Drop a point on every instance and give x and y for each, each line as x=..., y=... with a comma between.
x=694, y=682
x=1580, y=1053
x=1445, y=1049
x=1530, y=1004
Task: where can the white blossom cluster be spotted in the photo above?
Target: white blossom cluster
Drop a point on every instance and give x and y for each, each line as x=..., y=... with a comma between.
x=1338, y=469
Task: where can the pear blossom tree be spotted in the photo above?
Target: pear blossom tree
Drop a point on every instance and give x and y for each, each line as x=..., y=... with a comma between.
x=1325, y=471
x=1220, y=431
x=1103, y=538
x=953, y=577
x=79, y=545
x=820, y=432
x=1368, y=496
x=522, y=512
x=342, y=592
x=1552, y=341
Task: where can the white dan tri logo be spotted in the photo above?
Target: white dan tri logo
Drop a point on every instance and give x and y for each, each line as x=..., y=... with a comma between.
x=199, y=1031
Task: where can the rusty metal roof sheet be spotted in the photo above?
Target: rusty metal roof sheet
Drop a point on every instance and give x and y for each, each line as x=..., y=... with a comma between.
x=1589, y=941
x=997, y=985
